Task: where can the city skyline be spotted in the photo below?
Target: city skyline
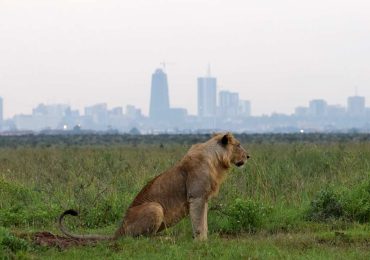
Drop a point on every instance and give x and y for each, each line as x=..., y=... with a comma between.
x=159, y=79
x=279, y=54
x=355, y=106
x=356, y=91
x=318, y=116
x=217, y=109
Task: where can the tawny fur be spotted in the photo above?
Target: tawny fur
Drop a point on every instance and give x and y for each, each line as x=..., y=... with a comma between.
x=180, y=191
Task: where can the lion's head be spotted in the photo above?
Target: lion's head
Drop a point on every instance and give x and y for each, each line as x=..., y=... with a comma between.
x=232, y=151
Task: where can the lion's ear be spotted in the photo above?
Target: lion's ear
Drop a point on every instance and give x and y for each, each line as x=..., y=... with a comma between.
x=225, y=139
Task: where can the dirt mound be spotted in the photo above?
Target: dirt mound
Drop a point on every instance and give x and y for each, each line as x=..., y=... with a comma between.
x=48, y=239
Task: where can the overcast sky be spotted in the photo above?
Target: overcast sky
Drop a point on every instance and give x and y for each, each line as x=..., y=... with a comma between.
x=278, y=54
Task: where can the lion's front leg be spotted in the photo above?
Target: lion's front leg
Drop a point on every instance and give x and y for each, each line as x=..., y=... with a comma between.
x=198, y=215
x=205, y=218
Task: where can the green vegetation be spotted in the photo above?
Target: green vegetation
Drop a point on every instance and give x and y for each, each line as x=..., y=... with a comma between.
x=296, y=198
x=349, y=204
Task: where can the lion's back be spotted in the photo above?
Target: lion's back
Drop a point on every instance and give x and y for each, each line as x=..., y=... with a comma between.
x=166, y=189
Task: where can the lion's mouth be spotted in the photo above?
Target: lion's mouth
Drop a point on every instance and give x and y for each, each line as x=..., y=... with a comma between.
x=240, y=163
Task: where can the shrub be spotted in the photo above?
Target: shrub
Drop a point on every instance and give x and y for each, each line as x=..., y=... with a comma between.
x=326, y=205
x=356, y=203
x=11, y=244
x=23, y=206
x=349, y=204
x=240, y=216
x=107, y=211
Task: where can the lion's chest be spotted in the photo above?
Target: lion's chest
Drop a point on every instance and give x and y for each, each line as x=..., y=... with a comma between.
x=217, y=178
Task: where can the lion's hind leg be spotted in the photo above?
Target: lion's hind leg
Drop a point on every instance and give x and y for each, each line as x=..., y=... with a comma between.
x=145, y=219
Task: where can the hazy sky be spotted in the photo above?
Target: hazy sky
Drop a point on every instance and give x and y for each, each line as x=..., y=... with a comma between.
x=278, y=54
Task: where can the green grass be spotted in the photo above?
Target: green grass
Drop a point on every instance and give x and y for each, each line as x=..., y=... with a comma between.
x=297, y=200
x=255, y=246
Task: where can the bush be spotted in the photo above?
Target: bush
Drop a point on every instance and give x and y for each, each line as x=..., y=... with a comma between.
x=356, y=203
x=240, y=216
x=348, y=204
x=108, y=210
x=11, y=244
x=325, y=206
x=23, y=206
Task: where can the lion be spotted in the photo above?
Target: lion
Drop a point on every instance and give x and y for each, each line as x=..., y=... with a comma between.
x=178, y=192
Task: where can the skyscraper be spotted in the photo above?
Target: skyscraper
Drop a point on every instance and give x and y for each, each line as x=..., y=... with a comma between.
x=245, y=108
x=228, y=103
x=356, y=106
x=159, y=100
x=98, y=115
x=132, y=112
x=317, y=108
x=207, y=88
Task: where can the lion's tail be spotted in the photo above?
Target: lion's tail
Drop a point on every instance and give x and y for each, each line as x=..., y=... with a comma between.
x=84, y=237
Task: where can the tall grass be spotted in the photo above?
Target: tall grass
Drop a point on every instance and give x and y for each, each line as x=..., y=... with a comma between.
x=39, y=183
x=286, y=188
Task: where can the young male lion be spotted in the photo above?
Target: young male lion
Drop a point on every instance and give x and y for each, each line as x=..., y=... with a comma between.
x=182, y=190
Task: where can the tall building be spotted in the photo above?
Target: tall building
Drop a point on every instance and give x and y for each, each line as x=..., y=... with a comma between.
x=132, y=112
x=356, y=106
x=116, y=111
x=159, y=100
x=317, y=108
x=97, y=109
x=334, y=111
x=245, y=109
x=228, y=104
x=53, y=116
x=98, y=114
x=55, y=110
x=207, y=88
x=301, y=111
x=177, y=116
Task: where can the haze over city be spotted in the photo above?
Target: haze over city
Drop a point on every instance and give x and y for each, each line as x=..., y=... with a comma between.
x=277, y=54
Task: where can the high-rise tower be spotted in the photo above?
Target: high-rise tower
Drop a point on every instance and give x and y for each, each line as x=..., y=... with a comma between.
x=356, y=106
x=159, y=100
x=317, y=108
x=207, y=88
x=228, y=104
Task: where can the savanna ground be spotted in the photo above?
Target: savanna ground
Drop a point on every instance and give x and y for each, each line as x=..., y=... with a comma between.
x=299, y=197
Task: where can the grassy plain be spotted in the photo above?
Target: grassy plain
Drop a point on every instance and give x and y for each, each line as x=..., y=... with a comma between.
x=298, y=197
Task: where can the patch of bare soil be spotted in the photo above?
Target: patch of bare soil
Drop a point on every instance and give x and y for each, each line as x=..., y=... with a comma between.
x=48, y=239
